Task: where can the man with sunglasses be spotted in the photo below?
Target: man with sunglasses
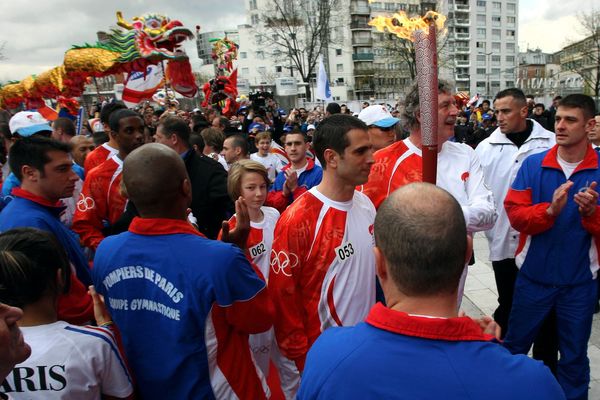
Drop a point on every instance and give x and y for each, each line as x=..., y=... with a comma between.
x=381, y=125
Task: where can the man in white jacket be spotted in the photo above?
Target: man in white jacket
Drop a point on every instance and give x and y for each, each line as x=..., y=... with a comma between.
x=501, y=155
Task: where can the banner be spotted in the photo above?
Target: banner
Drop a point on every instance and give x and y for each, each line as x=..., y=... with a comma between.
x=141, y=86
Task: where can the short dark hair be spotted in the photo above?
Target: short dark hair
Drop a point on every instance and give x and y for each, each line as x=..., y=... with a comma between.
x=33, y=151
x=332, y=134
x=515, y=93
x=118, y=115
x=581, y=101
x=29, y=259
x=241, y=142
x=214, y=138
x=540, y=105
x=485, y=101
x=333, y=108
x=421, y=231
x=197, y=140
x=66, y=125
x=199, y=122
x=177, y=126
x=108, y=109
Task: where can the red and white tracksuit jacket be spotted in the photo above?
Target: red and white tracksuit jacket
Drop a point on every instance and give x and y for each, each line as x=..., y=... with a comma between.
x=100, y=202
x=98, y=156
x=322, y=269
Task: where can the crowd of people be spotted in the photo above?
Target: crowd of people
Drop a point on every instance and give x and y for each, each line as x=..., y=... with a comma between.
x=166, y=253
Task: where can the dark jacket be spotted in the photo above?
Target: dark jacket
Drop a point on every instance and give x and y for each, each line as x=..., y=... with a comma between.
x=211, y=204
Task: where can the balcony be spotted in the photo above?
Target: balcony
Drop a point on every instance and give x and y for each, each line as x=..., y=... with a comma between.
x=462, y=22
x=360, y=25
x=461, y=77
x=462, y=8
x=462, y=63
x=361, y=10
x=462, y=50
x=363, y=57
x=462, y=35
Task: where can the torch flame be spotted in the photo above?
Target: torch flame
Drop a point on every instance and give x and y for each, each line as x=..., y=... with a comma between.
x=400, y=25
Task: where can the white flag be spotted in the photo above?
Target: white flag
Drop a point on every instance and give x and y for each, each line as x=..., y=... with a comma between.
x=323, y=91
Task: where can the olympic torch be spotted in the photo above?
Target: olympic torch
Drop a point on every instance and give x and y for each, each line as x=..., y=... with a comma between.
x=422, y=32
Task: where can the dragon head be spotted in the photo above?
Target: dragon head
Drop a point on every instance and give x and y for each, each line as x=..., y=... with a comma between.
x=150, y=36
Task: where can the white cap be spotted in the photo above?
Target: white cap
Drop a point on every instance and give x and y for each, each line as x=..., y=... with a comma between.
x=27, y=123
x=377, y=115
x=310, y=126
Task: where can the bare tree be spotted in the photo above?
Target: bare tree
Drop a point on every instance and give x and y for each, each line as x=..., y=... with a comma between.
x=297, y=31
x=584, y=57
x=2, y=46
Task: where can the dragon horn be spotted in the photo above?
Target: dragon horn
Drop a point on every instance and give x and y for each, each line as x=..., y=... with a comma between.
x=121, y=22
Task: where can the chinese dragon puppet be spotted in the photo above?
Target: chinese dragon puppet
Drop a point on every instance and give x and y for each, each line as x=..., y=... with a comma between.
x=149, y=39
x=221, y=92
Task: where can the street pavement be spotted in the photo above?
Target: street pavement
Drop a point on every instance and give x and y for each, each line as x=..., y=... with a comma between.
x=481, y=298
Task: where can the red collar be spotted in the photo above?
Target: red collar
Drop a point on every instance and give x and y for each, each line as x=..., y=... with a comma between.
x=452, y=329
x=590, y=160
x=309, y=166
x=161, y=226
x=35, y=198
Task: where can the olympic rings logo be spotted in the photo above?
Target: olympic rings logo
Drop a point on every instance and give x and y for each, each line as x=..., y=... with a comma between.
x=85, y=203
x=283, y=262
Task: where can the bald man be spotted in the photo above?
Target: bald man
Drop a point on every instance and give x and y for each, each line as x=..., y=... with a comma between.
x=82, y=146
x=419, y=338
x=178, y=298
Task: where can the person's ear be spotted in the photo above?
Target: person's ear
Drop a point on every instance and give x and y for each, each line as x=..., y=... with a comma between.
x=380, y=265
x=186, y=188
x=30, y=173
x=331, y=158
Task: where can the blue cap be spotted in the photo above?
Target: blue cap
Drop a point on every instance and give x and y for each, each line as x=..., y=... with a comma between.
x=256, y=127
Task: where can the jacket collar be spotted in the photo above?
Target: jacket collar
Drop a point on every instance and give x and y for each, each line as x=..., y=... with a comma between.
x=451, y=329
x=537, y=132
x=161, y=226
x=24, y=194
x=309, y=166
x=590, y=160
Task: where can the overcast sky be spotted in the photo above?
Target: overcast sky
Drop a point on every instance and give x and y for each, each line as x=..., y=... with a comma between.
x=37, y=33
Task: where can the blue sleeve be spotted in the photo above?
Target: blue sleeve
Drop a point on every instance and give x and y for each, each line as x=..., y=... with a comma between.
x=9, y=184
x=279, y=181
x=235, y=280
x=78, y=170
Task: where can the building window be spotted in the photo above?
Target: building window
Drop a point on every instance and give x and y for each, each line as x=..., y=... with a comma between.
x=509, y=84
x=253, y=4
x=245, y=71
x=481, y=33
x=481, y=71
x=481, y=3
x=496, y=20
x=480, y=45
x=496, y=34
x=496, y=6
x=254, y=19
x=510, y=59
x=510, y=47
x=262, y=70
x=510, y=34
x=495, y=60
x=480, y=85
x=338, y=52
x=496, y=46
x=511, y=7
x=339, y=67
x=511, y=20
x=243, y=54
x=480, y=59
x=260, y=55
x=481, y=19
x=278, y=68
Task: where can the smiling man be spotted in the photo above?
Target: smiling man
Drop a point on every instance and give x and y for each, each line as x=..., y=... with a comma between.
x=553, y=203
x=458, y=169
